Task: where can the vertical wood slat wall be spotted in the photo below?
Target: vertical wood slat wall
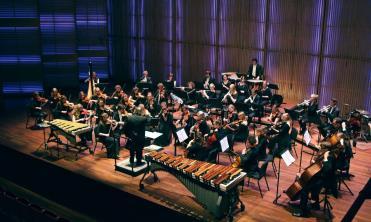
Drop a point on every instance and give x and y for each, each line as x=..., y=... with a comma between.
x=306, y=46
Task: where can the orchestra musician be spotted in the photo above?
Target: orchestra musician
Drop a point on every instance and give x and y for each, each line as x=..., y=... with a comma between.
x=119, y=116
x=195, y=147
x=205, y=95
x=255, y=70
x=160, y=95
x=207, y=80
x=249, y=156
x=310, y=116
x=100, y=109
x=243, y=89
x=225, y=84
x=275, y=115
x=241, y=127
x=117, y=94
x=94, y=77
x=135, y=126
x=230, y=117
x=54, y=98
x=165, y=126
x=281, y=141
x=265, y=93
x=127, y=102
x=231, y=95
x=201, y=124
x=171, y=79
x=136, y=96
x=151, y=105
x=80, y=115
x=83, y=100
x=36, y=107
x=254, y=103
x=63, y=109
x=333, y=110
x=105, y=130
x=145, y=78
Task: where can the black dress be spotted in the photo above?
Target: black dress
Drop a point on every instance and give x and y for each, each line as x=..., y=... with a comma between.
x=165, y=127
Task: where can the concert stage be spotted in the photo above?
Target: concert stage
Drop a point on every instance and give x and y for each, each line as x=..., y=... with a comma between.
x=91, y=186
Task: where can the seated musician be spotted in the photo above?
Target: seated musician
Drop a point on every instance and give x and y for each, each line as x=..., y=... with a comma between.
x=63, y=109
x=243, y=89
x=36, y=110
x=225, y=84
x=205, y=95
x=79, y=115
x=254, y=103
x=94, y=78
x=207, y=80
x=165, y=126
x=151, y=105
x=231, y=95
x=324, y=179
x=116, y=95
x=230, y=117
x=344, y=156
x=127, y=102
x=136, y=96
x=191, y=92
x=83, y=100
x=249, y=157
x=310, y=116
x=101, y=108
x=334, y=110
x=119, y=116
x=98, y=94
x=54, y=98
x=255, y=70
x=265, y=94
x=241, y=129
x=145, y=78
x=262, y=143
x=160, y=95
x=195, y=148
x=171, y=79
x=281, y=141
x=105, y=130
x=275, y=115
x=135, y=130
x=201, y=124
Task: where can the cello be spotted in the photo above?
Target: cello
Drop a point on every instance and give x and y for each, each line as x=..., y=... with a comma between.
x=312, y=170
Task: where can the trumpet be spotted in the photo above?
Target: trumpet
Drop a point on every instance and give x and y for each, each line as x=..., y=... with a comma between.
x=324, y=109
x=304, y=103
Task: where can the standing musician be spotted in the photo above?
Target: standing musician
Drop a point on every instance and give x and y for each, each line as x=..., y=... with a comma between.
x=145, y=78
x=255, y=70
x=225, y=84
x=63, y=109
x=207, y=80
x=151, y=105
x=333, y=110
x=36, y=107
x=135, y=130
x=231, y=95
x=105, y=132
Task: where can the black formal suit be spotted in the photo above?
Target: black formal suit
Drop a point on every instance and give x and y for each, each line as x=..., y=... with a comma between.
x=333, y=112
x=282, y=141
x=141, y=80
x=255, y=106
x=135, y=130
x=109, y=141
x=266, y=95
x=249, y=160
x=258, y=72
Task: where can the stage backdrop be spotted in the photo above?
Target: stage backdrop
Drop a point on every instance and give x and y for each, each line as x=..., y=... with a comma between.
x=306, y=46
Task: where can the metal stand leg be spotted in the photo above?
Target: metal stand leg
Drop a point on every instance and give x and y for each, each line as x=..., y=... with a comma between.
x=278, y=182
x=301, y=155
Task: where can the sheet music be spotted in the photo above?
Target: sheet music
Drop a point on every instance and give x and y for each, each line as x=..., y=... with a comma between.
x=287, y=158
x=152, y=135
x=182, y=135
x=224, y=144
x=307, y=137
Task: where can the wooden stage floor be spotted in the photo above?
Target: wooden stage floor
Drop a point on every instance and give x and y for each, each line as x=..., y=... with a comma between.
x=170, y=193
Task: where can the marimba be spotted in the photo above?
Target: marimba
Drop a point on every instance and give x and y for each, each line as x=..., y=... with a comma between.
x=70, y=130
x=214, y=186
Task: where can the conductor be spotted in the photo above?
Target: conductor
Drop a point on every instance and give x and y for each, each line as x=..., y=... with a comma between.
x=135, y=130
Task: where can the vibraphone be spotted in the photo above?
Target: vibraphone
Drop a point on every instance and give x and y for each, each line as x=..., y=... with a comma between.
x=214, y=186
x=69, y=130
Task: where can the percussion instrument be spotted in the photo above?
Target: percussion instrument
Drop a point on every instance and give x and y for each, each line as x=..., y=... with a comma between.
x=255, y=81
x=214, y=185
x=70, y=130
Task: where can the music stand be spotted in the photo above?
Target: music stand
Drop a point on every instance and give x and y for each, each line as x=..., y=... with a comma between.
x=180, y=137
x=144, y=86
x=169, y=85
x=275, y=201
